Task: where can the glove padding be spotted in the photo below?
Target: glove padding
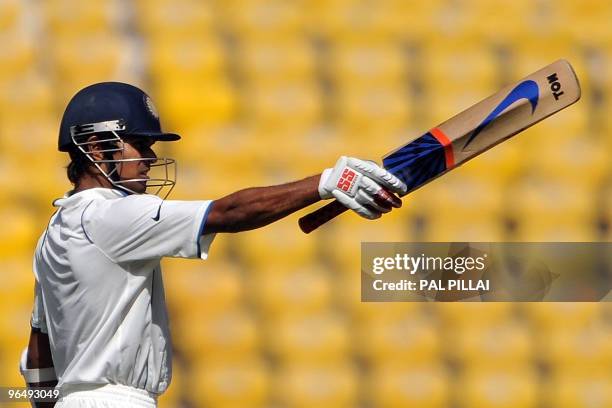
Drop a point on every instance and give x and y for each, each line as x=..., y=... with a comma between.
x=361, y=186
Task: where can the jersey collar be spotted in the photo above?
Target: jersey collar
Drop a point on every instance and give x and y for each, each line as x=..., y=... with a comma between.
x=71, y=198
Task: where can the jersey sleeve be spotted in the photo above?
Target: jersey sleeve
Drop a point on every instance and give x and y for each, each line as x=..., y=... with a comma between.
x=141, y=227
x=38, y=319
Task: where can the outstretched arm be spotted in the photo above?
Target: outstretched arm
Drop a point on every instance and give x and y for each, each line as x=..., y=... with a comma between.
x=355, y=183
x=255, y=207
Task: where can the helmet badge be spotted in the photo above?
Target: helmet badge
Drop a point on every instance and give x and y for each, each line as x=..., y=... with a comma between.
x=151, y=107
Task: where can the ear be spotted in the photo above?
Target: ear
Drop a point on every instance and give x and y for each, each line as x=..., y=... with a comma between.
x=93, y=148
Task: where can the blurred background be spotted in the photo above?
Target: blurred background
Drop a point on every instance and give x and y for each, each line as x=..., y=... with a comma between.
x=265, y=92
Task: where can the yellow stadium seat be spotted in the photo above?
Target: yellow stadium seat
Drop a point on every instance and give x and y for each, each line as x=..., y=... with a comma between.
x=232, y=384
x=209, y=182
x=277, y=60
x=466, y=208
x=186, y=59
x=499, y=388
x=10, y=375
x=183, y=19
x=507, y=345
x=221, y=148
x=11, y=13
x=419, y=22
x=365, y=313
x=320, y=337
x=206, y=287
x=333, y=385
x=316, y=148
x=606, y=213
x=31, y=138
x=349, y=21
x=488, y=22
x=305, y=289
x=549, y=210
x=20, y=231
x=383, y=110
x=588, y=9
x=571, y=390
x=67, y=17
x=17, y=289
x=51, y=183
x=362, y=64
x=460, y=68
x=232, y=333
x=454, y=227
x=25, y=97
x=277, y=246
x=80, y=60
x=349, y=298
x=253, y=18
x=548, y=316
x=207, y=102
x=284, y=105
x=357, y=142
x=18, y=54
x=578, y=351
x=402, y=384
x=409, y=339
x=15, y=331
x=568, y=126
x=579, y=160
x=457, y=316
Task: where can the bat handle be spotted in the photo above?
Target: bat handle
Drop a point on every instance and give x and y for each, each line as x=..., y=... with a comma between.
x=315, y=219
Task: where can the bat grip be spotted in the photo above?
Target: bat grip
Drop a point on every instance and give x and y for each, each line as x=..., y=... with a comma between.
x=315, y=219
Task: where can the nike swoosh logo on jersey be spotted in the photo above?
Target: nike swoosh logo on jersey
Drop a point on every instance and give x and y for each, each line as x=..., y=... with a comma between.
x=525, y=90
x=156, y=218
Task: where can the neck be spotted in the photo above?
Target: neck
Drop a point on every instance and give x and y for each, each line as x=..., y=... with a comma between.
x=88, y=181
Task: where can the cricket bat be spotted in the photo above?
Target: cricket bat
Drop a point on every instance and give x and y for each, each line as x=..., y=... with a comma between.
x=473, y=131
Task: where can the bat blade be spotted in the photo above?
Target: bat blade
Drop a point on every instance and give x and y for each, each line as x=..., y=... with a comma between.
x=473, y=131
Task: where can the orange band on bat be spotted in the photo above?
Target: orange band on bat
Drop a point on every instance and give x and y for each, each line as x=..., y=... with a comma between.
x=446, y=143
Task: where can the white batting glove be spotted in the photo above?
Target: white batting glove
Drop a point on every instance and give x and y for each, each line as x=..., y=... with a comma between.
x=360, y=186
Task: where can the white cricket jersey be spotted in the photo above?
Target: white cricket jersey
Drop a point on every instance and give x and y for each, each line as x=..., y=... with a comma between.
x=99, y=287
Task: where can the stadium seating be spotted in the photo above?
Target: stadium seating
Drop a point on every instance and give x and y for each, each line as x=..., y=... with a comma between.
x=505, y=344
x=394, y=385
x=311, y=384
x=316, y=338
x=499, y=388
x=63, y=17
x=278, y=292
x=180, y=20
x=573, y=390
x=228, y=383
x=406, y=338
x=203, y=288
x=282, y=60
x=206, y=336
x=264, y=92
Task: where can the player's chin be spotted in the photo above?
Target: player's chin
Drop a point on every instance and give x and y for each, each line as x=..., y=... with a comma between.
x=139, y=187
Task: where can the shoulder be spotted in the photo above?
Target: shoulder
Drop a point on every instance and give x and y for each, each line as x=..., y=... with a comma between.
x=121, y=210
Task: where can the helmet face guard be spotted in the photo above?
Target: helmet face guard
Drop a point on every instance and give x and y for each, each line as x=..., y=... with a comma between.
x=160, y=184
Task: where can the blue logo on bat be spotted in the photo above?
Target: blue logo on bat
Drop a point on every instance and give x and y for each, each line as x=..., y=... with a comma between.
x=525, y=90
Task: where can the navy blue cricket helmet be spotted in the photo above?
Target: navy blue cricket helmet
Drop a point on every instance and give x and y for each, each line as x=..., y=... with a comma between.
x=111, y=106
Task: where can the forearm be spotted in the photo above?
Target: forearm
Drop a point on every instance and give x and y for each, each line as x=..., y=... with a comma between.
x=255, y=207
x=39, y=356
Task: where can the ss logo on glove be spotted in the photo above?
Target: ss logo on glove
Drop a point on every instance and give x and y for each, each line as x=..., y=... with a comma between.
x=346, y=180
